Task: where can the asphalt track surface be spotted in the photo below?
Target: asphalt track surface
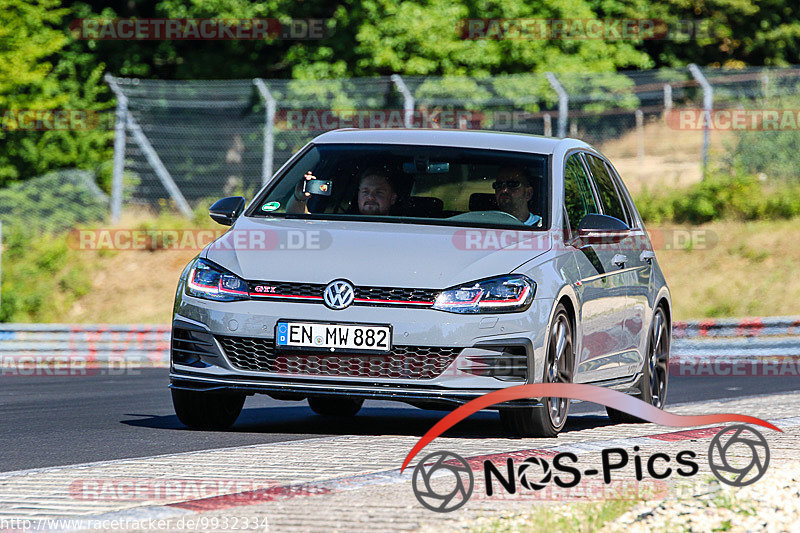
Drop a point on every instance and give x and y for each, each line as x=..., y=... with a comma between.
x=54, y=421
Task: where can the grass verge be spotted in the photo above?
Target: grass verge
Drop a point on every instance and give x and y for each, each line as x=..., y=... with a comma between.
x=49, y=277
x=718, y=269
x=732, y=269
x=576, y=517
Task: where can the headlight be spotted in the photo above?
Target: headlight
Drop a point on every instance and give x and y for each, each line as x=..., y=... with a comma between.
x=212, y=283
x=505, y=294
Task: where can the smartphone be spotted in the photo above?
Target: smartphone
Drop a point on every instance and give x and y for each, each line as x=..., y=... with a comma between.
x=319, y=187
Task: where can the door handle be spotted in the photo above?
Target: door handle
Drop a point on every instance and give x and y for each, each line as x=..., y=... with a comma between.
x=647, y=256
x=619, y=260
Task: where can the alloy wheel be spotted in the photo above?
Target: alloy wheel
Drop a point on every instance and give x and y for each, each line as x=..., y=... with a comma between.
x=658, y=360
x=559, y=368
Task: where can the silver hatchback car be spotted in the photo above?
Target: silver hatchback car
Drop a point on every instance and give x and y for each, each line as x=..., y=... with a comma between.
x=428, y=267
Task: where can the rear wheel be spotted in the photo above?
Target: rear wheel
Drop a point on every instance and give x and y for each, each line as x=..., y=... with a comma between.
x=327, y=406
x=652, y=384
x=548, y=419
x=207, y=410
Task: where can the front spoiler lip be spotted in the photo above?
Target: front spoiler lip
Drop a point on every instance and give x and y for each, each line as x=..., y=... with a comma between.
x=382, y=392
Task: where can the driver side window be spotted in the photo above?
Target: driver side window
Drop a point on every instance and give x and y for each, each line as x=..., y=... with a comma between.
x=578, y=198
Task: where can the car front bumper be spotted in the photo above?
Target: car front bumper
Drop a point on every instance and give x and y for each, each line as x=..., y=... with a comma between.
x=479, y=337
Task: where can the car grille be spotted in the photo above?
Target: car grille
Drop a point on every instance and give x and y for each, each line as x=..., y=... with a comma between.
x=396, y=294
x=404, y=362
x=363, y=295
x=289, y=289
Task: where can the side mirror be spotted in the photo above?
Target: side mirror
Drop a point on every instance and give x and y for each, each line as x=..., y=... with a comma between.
x=227, y=210
x=602, y=229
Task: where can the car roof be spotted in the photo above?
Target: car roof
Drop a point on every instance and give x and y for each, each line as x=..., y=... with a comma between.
x=492, y=140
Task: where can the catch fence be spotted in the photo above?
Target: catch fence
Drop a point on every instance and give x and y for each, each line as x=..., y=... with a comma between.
x=192, y=141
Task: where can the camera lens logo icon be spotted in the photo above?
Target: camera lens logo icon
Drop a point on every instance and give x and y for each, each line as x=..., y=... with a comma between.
x=443, y=482
x=527, y=475
x=738, y=455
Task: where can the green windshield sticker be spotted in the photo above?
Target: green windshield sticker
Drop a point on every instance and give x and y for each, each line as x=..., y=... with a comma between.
x=271, y=206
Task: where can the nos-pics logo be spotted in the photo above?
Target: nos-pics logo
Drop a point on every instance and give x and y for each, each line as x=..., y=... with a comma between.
x=444, y=481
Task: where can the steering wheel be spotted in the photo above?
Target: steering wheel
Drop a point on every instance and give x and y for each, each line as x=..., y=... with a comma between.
x=509, y=215
x=480, y=216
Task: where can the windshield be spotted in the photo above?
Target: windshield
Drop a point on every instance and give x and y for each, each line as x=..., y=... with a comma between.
x=417, y=184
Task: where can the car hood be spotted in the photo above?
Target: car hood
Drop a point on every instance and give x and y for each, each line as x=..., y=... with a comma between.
x=371, y=253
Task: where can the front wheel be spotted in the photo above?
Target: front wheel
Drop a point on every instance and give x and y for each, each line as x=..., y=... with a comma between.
x=652, y=384
x=207, y=410
x=548, y=419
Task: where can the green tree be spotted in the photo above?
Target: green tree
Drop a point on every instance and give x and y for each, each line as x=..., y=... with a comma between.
x=39, y=70
x=716, y=32
x=426, y=38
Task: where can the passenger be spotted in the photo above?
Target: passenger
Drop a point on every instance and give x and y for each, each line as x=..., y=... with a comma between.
x=376, y=195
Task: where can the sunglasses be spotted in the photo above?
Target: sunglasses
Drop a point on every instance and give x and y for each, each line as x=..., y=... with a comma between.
x=511, y=184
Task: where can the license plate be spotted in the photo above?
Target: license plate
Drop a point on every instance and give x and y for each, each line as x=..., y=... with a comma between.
x=332, y=337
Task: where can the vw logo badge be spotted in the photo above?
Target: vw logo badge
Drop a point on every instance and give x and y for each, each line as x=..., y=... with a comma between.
x=339, y=294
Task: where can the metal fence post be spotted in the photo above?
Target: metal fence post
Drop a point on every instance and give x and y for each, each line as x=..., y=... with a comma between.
x=158, y=166
x=667, y=98
x=708, y=104
x=149, y=152
x=119, y=148
x=408, y=100
x=1, y=260
x=548, y=125
x=269, y=130
x=640, y=135
x=563, y=103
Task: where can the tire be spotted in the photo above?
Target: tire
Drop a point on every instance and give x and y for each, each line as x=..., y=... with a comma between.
x=652, y=384
x=549, y=419
x=327, y=406
x=207, y=410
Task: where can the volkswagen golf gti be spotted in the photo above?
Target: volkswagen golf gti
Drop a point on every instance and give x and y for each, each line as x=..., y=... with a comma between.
x=428, y=267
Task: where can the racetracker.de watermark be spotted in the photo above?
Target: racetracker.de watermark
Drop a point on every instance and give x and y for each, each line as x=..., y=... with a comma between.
x=54, y=119
x=516, y=240
x=197, y=29
x=94, y=363
x=788, y=367
x=580, y=29
x=164, y=489
x=465, y=119
x=328, y=119
x=197, y=239
x=734, y=119
x=310, y=240
x=589, y=490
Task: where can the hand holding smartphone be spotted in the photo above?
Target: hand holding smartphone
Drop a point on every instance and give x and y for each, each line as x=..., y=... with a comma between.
x=317, y=186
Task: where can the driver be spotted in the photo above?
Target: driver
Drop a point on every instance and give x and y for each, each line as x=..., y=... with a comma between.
x=376, y=195
x=513, y=190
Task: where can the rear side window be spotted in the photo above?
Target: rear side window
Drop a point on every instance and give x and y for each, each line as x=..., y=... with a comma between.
x=578, y=198
x=609, y=197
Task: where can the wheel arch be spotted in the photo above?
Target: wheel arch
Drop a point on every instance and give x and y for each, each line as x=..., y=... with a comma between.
x=664, y=300
x=569, y=299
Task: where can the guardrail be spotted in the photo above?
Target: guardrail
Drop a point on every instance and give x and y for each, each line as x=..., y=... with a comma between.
x=771, y=343
x=752, y=338
x=737, y=327
x=148, y=344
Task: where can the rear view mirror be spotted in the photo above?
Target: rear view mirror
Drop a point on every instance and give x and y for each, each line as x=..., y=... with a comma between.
x=422, y=166
x=227, y=210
